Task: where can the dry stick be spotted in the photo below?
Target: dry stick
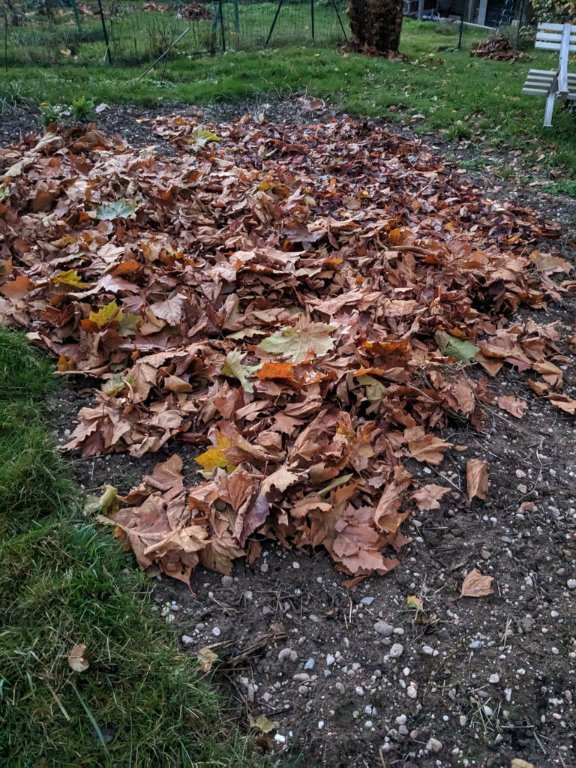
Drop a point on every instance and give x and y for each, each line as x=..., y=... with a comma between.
x=166, y=52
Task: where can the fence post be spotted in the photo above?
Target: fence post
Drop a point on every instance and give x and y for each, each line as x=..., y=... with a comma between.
x=103, y=20
x=312, y=19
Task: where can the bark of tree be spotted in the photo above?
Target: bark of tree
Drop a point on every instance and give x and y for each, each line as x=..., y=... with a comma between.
x=375, y=25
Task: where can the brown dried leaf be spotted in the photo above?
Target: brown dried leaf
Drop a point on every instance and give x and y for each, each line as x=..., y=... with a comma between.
x=77, y=659
x=429, y=496
x=476, y=479
x=476, y=585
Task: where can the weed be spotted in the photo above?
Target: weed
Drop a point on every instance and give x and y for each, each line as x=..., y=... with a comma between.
x=82, y=109
x=458, y=132
x=561, y=187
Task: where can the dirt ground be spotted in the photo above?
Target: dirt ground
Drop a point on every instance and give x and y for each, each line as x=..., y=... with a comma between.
x=371, y=677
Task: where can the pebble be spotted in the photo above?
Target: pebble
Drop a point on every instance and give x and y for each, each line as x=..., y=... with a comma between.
x=396, y=651
x=494, y=679
x=310, y=664
x=412, y=691
x=279, y=739
x=287, y=654
x=216, y=631
x=368, y=724
x=367, y=600
x=330, y=659
x=187, y=640
x=401, y=719
x=403, y=730
x=227, y=581
x=571, y=583
x=383, y=628
x=427, y=650
x=296, y=566
x=433, y=745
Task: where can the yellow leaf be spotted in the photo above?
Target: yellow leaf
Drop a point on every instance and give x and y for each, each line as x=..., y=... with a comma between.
x=206, y=659
x=109, y=313
x=415, y=602
x=106, y=504
x=215, y=457
x=70, y=278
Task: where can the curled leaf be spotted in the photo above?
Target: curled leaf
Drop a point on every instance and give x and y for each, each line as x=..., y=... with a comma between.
x=77, y=659
x=476, y=584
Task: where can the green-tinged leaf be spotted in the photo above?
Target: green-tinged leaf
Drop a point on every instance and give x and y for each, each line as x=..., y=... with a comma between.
x=262, y=724
x=119, y=209
x=296, y=343
x=114, y=386
x=454, y=347
x=202, y=136
x=233, y=367
x=128, y=323
x=414, y=602
x=342, y=480
x=375, y=390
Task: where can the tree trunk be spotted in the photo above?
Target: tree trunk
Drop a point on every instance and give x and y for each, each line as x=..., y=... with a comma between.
x=375, y=25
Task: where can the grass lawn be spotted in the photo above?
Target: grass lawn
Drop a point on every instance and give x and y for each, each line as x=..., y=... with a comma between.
x=140, y=702
x=435, y=88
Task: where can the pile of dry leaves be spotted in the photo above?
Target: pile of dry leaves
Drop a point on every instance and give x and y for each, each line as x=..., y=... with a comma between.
x=497, y=48
x=307, y=304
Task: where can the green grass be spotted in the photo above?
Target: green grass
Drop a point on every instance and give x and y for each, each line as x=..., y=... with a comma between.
x=443, y=91
x=140, y=703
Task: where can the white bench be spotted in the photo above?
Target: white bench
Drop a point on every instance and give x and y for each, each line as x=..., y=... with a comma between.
x=549, y=83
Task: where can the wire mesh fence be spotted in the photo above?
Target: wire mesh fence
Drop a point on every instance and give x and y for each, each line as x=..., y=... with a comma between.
x=51, y=32
x=54, y=31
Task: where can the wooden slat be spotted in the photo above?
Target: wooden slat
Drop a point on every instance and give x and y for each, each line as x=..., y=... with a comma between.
x=555, y=37
x=553, y=47
x=535, y=91
x=545, y=26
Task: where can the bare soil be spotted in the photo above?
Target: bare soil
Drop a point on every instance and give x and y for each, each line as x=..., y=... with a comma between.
x=370, y=677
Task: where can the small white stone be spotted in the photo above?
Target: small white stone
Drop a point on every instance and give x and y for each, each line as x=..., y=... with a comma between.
x=383, y=628
x=187, y=640
x=216, y=632
x=396, y=651
x=412, y=691
x=296, y=565
x=401, y=719
x=463, y=720
x=320, y=724
x=279, y=739
x=427, y=650
x=433, y=745
x=571, y=583
x=368, y=724
x=330, y=659
x=494, y=679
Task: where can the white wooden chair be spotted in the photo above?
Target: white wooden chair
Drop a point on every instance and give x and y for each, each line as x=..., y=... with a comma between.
x=549, y=83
